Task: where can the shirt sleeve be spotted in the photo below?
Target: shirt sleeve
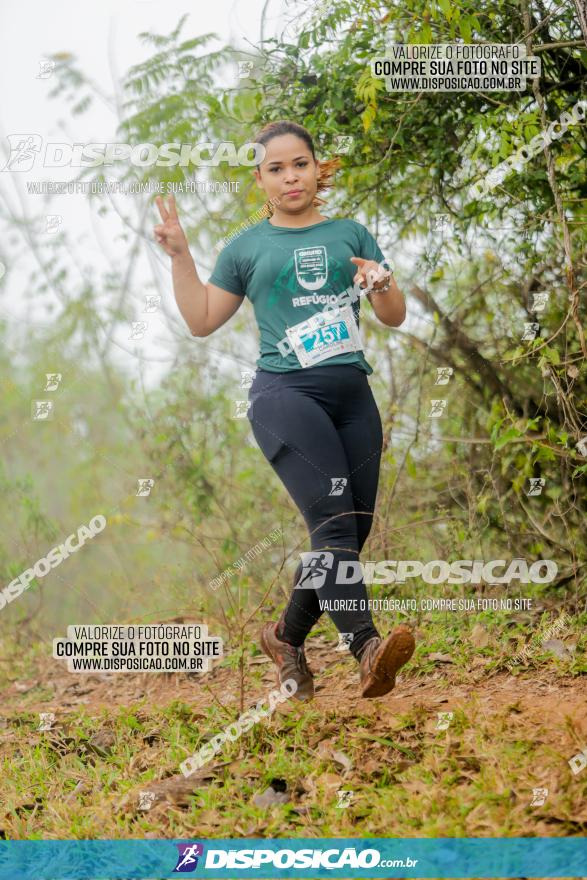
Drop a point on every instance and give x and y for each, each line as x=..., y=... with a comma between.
x=226, y=272
x=370, y=250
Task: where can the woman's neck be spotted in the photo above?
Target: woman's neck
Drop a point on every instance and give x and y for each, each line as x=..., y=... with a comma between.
x=296, y=221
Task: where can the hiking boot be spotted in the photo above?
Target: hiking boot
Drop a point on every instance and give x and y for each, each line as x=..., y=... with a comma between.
x=382, y=658
x=290, y=661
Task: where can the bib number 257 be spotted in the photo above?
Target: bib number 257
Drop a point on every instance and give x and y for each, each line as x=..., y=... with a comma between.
x=325, y=336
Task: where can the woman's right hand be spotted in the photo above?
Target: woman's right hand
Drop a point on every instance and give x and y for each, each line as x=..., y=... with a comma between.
x=169, y=234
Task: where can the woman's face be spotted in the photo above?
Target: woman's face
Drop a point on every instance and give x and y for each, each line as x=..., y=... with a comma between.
x=288, y=173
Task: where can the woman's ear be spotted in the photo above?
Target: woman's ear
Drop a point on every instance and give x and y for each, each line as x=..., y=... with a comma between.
x=258, y=178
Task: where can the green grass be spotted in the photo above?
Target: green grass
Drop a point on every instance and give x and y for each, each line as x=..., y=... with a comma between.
x=408, y=779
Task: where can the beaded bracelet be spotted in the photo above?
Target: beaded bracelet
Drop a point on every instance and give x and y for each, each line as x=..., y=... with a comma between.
x=385, y=287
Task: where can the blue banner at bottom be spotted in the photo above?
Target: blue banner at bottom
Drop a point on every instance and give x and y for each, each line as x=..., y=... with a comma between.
x=308, y=857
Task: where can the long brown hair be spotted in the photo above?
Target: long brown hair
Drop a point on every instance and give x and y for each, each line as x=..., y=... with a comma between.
x=326, y=170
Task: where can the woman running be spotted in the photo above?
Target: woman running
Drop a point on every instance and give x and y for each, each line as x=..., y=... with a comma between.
x=311, y=407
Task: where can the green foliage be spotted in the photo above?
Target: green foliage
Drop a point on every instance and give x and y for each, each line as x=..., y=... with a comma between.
x=516, y=408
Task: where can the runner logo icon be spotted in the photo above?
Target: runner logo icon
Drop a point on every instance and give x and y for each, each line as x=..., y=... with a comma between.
x=315, y=564
x=187, y=859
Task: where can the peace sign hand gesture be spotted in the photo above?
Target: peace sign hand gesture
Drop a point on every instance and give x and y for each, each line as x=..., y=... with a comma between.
x=169, y=234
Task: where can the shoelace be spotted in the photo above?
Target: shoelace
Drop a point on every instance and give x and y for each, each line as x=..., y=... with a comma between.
x=300, y=658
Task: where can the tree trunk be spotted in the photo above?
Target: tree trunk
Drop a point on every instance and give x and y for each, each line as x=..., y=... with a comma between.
x=582, y=16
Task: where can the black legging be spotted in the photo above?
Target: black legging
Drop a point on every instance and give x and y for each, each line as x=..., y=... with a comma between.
x=315, y=426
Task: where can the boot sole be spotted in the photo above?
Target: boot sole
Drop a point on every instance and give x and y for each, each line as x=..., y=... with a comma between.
x=397, y=650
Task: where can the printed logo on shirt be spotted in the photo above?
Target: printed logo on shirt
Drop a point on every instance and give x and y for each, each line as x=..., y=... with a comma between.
x=311, y=266
x=286, y=288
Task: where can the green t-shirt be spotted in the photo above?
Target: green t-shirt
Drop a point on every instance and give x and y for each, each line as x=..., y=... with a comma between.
x=289, y=275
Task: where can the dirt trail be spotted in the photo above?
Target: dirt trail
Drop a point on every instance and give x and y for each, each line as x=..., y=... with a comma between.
x=535, y=696
x=514, y=734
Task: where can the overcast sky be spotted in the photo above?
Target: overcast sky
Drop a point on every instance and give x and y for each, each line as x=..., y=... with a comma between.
x=105, y=42
x=104, y=38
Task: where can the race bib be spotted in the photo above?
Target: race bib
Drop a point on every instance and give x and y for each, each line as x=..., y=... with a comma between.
x=325, y=335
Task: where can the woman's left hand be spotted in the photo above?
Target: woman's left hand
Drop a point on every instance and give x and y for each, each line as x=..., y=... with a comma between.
x=370, y=273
